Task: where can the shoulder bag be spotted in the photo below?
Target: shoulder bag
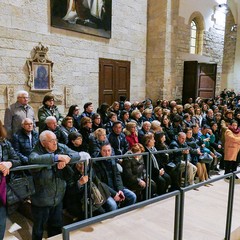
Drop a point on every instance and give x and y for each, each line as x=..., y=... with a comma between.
x=19, y=187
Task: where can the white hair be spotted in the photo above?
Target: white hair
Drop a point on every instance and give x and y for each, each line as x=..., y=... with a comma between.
x=27, y=119
x=49, y=119
x=22, y=92
x=44, y=135
x=127, y=103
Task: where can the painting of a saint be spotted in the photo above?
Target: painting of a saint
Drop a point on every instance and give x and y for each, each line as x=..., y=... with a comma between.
x=87, y=16
x=41, y=77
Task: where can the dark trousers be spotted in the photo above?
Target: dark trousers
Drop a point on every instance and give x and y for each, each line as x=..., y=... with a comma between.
x=50, y=216
x=230, y=166
x=3, y=216
x=162, y=183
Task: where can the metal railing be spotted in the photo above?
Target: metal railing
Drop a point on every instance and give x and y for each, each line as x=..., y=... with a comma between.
x=179, y=197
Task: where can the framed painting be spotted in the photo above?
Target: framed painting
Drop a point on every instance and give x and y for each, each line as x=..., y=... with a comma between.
x=86, y=16
x=42, y=76
x=40, y=70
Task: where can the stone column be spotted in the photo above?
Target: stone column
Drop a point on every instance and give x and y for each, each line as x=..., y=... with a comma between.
x=161, y=51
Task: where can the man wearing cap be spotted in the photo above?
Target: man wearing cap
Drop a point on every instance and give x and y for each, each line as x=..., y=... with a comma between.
x=16, y=113
x=48, y=109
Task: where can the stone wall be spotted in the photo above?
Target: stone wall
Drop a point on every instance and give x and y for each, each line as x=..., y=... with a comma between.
x=229, y=53
x=25, y=23
x=165, y=67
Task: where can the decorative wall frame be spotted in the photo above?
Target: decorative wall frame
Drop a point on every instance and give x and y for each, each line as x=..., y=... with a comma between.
x=40, y=70
x=86, y=16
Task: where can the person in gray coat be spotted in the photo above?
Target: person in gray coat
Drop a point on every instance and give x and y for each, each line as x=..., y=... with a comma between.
x=16, y=112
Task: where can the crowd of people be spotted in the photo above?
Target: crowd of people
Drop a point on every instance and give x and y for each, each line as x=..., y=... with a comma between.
x=206, y=129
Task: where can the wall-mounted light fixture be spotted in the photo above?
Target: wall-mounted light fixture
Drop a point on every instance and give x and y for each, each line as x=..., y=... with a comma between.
x=234, y=28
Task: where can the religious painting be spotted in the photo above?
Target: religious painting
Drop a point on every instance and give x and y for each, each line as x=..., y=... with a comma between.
x=42, y=76
x=40, y=70
x=86, y=16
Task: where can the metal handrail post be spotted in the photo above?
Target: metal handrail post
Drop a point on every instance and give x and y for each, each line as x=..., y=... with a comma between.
x=148, y=181
x=86, y=191
x=177, y=217
x=150, y=175
x=185, y=157
x=230, y=207
x=181, y=214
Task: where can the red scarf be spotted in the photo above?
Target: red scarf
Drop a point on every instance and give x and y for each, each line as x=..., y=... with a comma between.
x=236, y=131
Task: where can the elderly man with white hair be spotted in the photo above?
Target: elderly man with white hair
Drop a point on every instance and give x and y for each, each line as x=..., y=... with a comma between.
x=16, y=112
x=51, y=125
x=50, y=183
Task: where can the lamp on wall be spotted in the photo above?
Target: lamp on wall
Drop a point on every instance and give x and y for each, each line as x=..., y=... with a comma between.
x=234, y=28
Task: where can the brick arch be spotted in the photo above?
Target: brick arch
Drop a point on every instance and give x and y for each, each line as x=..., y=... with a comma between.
x=199, y=20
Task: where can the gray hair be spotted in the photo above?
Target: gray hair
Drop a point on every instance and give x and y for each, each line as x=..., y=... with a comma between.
x=44, y=135
x=127, y=103
x=27, y=119
x=49, y=119
x=22, y=92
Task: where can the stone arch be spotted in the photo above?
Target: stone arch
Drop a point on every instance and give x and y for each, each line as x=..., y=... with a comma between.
x=199, y=20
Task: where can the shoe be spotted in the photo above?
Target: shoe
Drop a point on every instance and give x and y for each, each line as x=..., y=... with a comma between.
x=206, y=185
x=227, y=178
x=236, y=177
x=210, y=184
x=196, y=189
x=216, y=169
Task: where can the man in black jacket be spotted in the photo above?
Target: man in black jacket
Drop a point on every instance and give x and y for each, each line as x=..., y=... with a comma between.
x=179, y=159
x=107, y=172
x=117, y=139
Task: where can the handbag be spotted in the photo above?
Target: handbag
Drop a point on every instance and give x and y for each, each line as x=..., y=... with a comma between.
x=171, y=166
x=99, y=193
x=19, y=187
x=205, y=158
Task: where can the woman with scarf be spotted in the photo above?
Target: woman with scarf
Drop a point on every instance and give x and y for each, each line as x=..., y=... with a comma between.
x=8, y=159
x=159, y=176
x=232, y=147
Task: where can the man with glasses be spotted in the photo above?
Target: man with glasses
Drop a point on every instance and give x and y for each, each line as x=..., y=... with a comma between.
x=16, y=112
x=49, y=183
x=24, y=140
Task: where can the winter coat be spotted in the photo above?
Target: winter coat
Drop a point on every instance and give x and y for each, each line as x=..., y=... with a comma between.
x=49, y=182
x=133, y=171
x=232, y=145
x=45, y=112
x=22, y=145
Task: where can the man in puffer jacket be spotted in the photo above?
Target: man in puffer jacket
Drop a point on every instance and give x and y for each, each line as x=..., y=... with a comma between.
x=49, y=183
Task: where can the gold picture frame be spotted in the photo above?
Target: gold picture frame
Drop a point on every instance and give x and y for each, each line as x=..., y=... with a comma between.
x=40, y=70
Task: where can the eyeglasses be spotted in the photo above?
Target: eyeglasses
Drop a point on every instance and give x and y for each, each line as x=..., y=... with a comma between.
x=89, y=122
x=24, y=97
x=51, y=141
x=29, y=124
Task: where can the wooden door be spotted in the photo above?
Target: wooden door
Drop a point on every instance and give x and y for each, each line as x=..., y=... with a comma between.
x=199, y=80
x=114, y=80
x=206, y=80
